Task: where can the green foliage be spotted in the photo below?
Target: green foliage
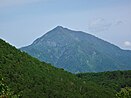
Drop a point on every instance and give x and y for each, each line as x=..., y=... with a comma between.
x=5, y=92
x=30, y=78
x=114, y=80
x=124, y=93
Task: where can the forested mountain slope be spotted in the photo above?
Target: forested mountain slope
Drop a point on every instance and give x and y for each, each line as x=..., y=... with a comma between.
x=30, y=78
x=114, y=79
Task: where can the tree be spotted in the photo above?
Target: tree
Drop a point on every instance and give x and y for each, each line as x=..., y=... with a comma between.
x=124, y=93
x=5, y=91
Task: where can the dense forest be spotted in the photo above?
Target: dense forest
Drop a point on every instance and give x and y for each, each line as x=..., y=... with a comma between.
x=22, y=76
x=114, y=80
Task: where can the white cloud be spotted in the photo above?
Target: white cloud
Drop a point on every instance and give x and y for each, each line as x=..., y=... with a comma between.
x=99, y=25
x=127, y=43
x=102, y=25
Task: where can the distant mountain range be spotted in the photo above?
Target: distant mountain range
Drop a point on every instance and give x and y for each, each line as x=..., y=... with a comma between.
x=77, y=51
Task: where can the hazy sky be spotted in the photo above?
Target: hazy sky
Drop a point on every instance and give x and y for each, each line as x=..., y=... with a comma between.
x=22, y=21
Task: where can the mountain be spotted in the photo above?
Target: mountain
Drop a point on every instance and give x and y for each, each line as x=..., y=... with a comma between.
x=23, y=76
x=77, y=51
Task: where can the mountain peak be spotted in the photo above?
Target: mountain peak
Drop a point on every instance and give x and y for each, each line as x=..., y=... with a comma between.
x=60, y=28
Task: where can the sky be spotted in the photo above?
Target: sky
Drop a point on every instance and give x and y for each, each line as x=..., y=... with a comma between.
x=22, y=21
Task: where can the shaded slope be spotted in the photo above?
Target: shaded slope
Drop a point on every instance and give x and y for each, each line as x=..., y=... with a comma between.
x=76, y=51
x=30, y=78
x=114, y=79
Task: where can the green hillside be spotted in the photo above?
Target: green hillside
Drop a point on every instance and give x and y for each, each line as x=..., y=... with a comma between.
x=114, y=80
x=30, y=78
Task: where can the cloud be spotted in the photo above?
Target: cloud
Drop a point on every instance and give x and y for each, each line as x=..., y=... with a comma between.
x=8, y=3
x=127, y=43
x=99, y=25
x=102, y=25
x=119, y=22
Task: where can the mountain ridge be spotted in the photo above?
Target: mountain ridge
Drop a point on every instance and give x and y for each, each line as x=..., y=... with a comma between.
x=77, y=51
